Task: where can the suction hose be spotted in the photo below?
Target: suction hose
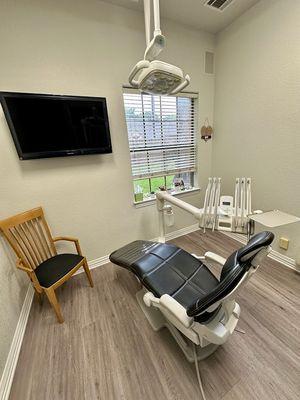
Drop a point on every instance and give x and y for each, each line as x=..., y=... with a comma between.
x=198, y=372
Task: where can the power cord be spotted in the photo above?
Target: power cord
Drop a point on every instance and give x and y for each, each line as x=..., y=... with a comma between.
x=198, y=372
x=240, y=331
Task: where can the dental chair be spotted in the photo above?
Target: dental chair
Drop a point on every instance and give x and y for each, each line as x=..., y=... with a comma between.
x=181, y=293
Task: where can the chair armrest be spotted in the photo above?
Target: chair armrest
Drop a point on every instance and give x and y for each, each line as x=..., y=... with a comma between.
x=176, y=309
x=167, y=303
x=69, y=239
x=198, y=257
x=209, y=255
x=21, y=266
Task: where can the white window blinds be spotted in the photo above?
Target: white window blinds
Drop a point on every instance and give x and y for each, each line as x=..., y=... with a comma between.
x=161, y=133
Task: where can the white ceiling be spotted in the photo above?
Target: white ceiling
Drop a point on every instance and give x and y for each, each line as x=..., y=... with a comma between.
x=193, y=13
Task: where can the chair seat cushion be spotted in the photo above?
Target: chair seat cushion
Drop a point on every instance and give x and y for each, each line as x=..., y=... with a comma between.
x=167, y=269
x=55, y=268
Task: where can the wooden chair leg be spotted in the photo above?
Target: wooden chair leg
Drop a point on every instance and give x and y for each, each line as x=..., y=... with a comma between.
x=36, y=286
x=54, y=303
x=39, y=297
x=88, y=273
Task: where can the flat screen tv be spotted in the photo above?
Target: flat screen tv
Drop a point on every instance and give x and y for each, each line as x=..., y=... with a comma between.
x=44, y=125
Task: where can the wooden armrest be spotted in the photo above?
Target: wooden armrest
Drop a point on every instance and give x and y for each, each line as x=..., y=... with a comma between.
x=21, y=266
x=69, y=239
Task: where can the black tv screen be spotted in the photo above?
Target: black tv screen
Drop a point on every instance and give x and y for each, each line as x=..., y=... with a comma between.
x=44, y=125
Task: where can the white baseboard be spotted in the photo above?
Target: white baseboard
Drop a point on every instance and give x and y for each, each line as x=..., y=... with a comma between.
x=98, y=262
x=12, y=359
x=94, y=264
x=181, y=232
x=275, y=255
x=13, y=355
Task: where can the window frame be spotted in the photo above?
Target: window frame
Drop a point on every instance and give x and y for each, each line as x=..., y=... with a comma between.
x=151, y=198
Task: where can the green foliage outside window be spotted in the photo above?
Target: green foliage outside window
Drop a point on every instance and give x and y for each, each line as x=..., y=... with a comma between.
x=149, y=185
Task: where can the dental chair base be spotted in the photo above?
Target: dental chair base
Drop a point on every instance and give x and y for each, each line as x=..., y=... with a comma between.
x=186, y=339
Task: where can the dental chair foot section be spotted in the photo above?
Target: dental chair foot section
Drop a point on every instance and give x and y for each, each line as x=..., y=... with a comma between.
x=182, y=294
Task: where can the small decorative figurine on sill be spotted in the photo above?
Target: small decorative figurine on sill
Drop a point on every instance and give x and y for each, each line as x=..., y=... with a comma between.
x=206, y=130
x=178, y=184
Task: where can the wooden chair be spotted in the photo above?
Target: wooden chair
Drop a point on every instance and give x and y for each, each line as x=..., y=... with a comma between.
x=29, y=236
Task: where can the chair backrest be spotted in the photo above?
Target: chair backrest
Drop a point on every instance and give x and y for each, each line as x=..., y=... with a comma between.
x=235, y=272
x=245, y=255
x=29, y=236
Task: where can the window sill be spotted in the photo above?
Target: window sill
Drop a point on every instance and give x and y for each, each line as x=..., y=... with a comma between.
x=151, y=201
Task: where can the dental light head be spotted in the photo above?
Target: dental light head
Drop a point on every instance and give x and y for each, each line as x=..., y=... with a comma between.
x=158, y=77
x=151, y=75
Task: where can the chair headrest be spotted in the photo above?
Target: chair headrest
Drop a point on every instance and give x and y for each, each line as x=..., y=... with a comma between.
x=256, y=243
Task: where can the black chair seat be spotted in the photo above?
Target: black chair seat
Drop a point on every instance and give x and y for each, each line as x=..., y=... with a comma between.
x=55, y=268
x=167, y=269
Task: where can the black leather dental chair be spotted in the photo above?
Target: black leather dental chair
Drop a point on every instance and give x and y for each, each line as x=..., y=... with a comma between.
x=181, y=293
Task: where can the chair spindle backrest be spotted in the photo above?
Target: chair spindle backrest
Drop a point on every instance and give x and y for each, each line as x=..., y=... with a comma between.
x=29, y=236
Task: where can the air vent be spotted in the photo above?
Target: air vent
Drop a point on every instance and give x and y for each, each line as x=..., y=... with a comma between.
x=219, y=5
x=209, y=62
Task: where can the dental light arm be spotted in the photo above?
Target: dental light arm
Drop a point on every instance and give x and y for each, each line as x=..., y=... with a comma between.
x=157, y=44
x=155, y=47
x=151, y=75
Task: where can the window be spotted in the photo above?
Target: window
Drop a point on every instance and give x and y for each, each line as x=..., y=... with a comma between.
x=161, y=134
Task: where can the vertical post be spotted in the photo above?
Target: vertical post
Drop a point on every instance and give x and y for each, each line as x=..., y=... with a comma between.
x=157, y=30
x=206, y=202
x=250, y=229
x=243, y=194
x=236, y=203
x=249, y=197
x=217, y=202
x=160, y=203
x=211, y=203
x=250, y=223
x=147, y=15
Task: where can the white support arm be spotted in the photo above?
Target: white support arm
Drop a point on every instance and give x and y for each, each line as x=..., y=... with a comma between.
x=214, y=257
x=163, y=196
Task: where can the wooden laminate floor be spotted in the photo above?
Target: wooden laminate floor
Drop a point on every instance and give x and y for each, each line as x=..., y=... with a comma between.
x=107, y=350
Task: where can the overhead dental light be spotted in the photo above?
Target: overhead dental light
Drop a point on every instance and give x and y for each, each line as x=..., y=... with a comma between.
x=151, y=75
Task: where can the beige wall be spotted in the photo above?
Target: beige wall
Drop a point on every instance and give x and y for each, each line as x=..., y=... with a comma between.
x=257, y=108
x=83, y=48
